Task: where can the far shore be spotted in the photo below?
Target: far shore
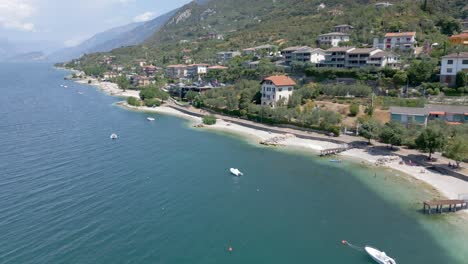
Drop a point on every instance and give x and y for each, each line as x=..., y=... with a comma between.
x=449, y=187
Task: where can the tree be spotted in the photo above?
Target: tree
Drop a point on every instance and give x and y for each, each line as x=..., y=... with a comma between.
x=400, y=78
x=133, y=101
x=209, y=120
x=430, y=140
x=191, y=95
x=392, y=134
x=354, y=110
x=123, y=83
x=461, y=79
x=369, y=129
x=421, y=71
x=457, y=149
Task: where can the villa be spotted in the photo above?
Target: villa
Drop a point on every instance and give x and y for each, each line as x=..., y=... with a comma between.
x=343, y=28
x=225, y=56
x=195, y=70
x=351, y=57
x=453, y=115
x=333, y=39
x=451, y=65
x=459, y=39
x=308, y=55
x=398, y=40
x=276, y=88
x=176, y=71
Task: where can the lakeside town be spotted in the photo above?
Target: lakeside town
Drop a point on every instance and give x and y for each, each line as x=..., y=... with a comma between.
x=398, y=96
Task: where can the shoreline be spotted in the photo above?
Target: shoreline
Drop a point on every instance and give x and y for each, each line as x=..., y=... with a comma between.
x=446, y=186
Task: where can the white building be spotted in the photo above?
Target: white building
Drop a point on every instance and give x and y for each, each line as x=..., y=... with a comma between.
x=351, y=57
x=227, y=55
x=333, y=38
x=275, y=88
x=309, y=55
x=399, y=40
x=195, y=70
x=451, y=65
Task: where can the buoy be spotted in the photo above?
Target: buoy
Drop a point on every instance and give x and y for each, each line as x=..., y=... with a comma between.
x=344, y=242
x=230, y=249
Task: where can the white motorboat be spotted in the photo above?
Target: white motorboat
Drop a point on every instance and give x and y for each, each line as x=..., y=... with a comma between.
x=236, y=172
x=150, y=119
x=379, y=256
x=114, y=136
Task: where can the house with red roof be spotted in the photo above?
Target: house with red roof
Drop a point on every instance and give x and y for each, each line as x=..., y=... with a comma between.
x=277, y=88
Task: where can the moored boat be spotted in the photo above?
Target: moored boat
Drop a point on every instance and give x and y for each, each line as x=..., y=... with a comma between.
x=114, y=136
x=236, y=172
x=150, y=119
x=379, y=256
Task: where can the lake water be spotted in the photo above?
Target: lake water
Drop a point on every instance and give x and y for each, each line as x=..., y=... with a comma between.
x=161, y=193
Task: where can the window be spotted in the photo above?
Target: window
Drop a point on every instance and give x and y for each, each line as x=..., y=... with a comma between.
x=408, y=39
x=450, y=62
x=389, y=40
x=465, y=62
x=290, y=89
x=389, y=46
x=273, y=89
x=449, y=70
x=280, y=89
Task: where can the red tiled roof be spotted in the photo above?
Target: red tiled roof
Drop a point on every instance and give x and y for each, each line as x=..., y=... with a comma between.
x=281, y=80
x=400, y=34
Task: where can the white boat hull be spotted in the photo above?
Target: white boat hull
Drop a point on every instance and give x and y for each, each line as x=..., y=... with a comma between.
x=379, y=256
x=236, y=172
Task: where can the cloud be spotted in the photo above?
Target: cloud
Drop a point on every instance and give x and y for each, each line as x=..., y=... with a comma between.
x=15, y=13
x=144, y=17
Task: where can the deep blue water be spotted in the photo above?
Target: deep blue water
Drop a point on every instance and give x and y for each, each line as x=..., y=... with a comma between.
x=161, y=192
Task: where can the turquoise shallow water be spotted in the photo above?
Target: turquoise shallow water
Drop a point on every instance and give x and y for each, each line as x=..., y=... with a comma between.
x=162, y=194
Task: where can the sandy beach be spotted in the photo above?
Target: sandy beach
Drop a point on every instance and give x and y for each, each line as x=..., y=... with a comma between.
x=109, y=88
x=447, y=186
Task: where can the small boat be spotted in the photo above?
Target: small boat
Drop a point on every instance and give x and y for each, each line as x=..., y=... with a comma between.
x=114, y=136
x=379, y=256
x=150, y=119
x=236, y=172
x=336, y=160
x=65, y=86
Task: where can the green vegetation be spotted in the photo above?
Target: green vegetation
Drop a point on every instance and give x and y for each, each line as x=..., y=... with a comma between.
x=392, y=134
x=457, y=149
x=209, y=120
x=123, y=83
x=133, y=101
x=370, y=130
x=354, y=109
x=430, y=140
x=153, y=96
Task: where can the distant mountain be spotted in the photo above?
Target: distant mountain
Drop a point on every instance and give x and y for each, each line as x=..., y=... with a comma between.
x=35, y=56
x=128, y=35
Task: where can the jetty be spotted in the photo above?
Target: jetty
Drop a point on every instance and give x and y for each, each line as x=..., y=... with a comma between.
x=438, y=206
x=334, y=151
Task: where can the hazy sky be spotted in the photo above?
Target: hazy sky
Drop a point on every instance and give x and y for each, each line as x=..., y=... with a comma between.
x=67, y=22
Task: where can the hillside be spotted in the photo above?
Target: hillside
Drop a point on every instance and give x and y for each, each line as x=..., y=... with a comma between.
x=128, y=35
x=295, y=22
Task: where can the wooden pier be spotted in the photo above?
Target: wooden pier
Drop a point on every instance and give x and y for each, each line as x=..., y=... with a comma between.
x=333, y=151
x=438, y=206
